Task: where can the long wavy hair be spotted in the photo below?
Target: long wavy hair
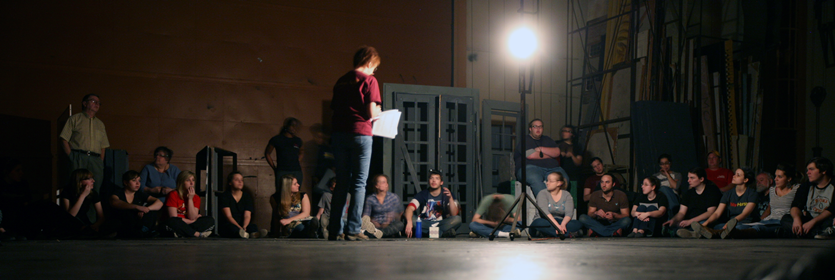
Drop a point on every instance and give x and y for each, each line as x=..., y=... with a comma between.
x=288, y=197
x=181, y=183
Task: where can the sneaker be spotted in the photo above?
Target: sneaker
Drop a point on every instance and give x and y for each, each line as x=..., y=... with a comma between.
x=340, y=237
x=450, y=233
x=368, y=226
x=243, y=233
x=516, y=233
x=685, y=233
x=259, y=234
x=701, y=230
x=206, y=234
x=176, y=235
x=729, y=227
x=473, y=235
x=632, y=234
x=618, y=233
x=827, y=233
x=356, y=237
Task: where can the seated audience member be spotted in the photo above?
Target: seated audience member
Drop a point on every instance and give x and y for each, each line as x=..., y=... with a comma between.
x=671, y=183
x=382, y=211
x=79, y=196
x=670, y=180
x=571, y=154
x=559, y=205
x=541, y=154
x=735, y=207
x=292, y=210
x=811, y=214
x=593, y=181
x=160, y=177
x=26, y=214
x=697, y=204
x=325, y=209
x=436, y=206
x=608, y=213
x=764, y=183
x=236, y=207
x=490, y=213
x=718, y=175
x=650, y=207
x=780, y=199
x=183, y=208
x=134, y=213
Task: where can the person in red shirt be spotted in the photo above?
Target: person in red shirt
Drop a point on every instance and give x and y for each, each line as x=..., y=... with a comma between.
x=183, y=206
x=356, y=101
x=720, y=176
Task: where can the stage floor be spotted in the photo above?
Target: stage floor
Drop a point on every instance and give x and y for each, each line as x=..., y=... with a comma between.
x=458, y=258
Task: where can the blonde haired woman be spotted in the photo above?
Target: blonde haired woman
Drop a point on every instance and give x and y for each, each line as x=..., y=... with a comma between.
x=559, y=204
x=183, y=206
x=291, y=211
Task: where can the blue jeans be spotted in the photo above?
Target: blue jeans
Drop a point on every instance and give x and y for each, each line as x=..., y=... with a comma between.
x=485, y=230
x=352, y=154
x=541, y=225
x=604, y=230
x=535, y=176
x=648, y=226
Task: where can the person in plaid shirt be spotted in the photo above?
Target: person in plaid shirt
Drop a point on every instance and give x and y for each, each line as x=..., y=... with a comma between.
x=382, y=211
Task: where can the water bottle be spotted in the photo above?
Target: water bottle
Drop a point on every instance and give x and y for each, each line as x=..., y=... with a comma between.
x=418, y=229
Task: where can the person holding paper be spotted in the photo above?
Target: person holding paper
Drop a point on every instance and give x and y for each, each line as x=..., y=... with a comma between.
x=356, y=100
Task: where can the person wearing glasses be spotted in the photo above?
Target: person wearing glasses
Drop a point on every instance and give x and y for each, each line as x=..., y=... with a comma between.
x=542, y=155
x=356, y=101
x=670, y=184
x=84, y=139
x=159, y=178
x=436, y=206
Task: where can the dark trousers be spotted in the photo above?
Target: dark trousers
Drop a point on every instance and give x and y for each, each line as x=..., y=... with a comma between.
x=787, y=220
x=394, y=228
x=648, y=226
x=229, y=230
x=128, y=224
x=182, y=229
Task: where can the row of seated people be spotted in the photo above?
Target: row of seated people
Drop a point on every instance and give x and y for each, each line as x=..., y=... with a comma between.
x=795, y=209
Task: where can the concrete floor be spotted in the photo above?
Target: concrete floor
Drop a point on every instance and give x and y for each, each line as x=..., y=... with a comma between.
x=459, y=258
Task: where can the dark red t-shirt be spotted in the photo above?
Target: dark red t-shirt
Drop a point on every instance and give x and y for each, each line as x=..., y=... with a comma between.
x=351, y=96
x=721, y=177
x=173, y=200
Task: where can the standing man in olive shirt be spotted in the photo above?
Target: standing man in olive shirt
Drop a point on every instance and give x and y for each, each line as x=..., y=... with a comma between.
x=84, y=139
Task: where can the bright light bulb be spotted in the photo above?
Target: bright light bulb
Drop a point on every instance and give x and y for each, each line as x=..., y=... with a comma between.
x=522, y=43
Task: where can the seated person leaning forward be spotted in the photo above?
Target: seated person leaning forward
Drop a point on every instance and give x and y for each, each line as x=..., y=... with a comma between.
x=183, y=205
x=697, y=204
x=436, y=206
x=608, y=210
x=651, y=206
x=541, y=154
x=382, y=211
x=737, y=206
x=490, y=213
x=236, y=207
x=135, y=213
x=559, y=206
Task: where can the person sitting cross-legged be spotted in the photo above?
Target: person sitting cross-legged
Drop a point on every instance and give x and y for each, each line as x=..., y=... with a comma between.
x=811, y=212
x=490, y=213
x=135, y=213
x=651, y=206
x=236, y=207
x=737, y=206
x=183, y=206
x=382, y=211
x=608, y=213
x=436, y=206
x=559, y=205
x=697, y=204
